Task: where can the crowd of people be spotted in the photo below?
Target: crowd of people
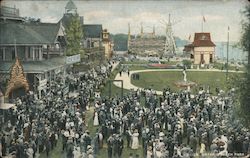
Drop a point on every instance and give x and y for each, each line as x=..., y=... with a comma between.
x=35, y=125
x=175, y=125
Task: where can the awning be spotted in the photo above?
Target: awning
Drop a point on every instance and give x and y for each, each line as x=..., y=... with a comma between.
x=7, y=106
x=35, y=66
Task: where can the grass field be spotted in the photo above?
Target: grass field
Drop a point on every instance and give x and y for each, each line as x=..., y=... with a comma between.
x=161, y=80
x=230, y=67
x=147, y=62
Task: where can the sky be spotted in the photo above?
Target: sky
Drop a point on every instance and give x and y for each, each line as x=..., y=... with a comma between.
x=186, y=15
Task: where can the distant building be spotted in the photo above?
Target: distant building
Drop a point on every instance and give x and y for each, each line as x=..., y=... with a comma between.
x=10, y=13
x=201, y=50
x=92, y=35
x=107, y=43
x=146, y=44
x=92, y=43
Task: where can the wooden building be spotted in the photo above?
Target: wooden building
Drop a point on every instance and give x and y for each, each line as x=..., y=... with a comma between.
x=201, y=50
x=107, y=43
x=36, y=48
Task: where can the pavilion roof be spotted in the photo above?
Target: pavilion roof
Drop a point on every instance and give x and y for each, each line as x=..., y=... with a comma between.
x=202, y=39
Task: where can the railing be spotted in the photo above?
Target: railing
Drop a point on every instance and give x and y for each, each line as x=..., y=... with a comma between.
x=54, y=50
x=95, y=49
x=8, y=11
x=94, y=54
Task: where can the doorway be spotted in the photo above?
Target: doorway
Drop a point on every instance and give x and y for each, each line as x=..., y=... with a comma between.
x=202, y=59
x=211, y=58
x=17, y=93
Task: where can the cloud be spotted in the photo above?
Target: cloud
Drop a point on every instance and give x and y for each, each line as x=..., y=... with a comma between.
x=207, y=17
x=150, y=17
x=115, y=15
x=49, y=19
x=98, y=14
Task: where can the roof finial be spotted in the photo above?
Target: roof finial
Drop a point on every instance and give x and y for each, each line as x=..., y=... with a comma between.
x=70, y=7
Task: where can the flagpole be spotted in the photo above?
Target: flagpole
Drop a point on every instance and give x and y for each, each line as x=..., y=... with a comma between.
x=202, y=24
x=227, y=51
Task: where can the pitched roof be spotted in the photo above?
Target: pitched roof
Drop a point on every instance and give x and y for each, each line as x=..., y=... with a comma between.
x=48, y=30
x=92, y=31
x=70, y=5
x=20, y=33
x=202, y=39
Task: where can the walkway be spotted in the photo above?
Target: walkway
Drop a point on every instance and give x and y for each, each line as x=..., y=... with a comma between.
x=114, y=65
x=127, y=79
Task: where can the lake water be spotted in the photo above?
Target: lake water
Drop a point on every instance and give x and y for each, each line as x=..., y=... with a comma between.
x=234, y=53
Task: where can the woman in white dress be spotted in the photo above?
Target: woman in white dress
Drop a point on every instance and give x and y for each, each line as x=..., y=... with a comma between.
x=135, y=140
x=96, y=119
x=149, y=152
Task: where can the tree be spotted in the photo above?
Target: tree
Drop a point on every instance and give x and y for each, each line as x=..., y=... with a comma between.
x=245, y=39
x=120, y=42
x=244, y=84
x=74, y=36
x=187, y=63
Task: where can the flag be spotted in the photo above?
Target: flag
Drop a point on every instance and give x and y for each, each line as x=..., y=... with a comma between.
x=189, y=38
x=204, y=20
x=228, y=28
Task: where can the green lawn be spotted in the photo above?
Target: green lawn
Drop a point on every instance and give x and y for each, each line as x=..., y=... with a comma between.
x=137, y=67
x=230, y=67
x=161, y=80
x=147, y=62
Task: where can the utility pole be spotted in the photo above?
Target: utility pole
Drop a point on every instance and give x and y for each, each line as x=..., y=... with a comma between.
x=227, y=51
x=128, y=44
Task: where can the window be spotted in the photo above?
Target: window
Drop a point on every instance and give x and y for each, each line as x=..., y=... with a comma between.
x=36, y=52
x=13, y=54
x=30, y=53
x=88, y=44
x=203, y=37
x=2, y=54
